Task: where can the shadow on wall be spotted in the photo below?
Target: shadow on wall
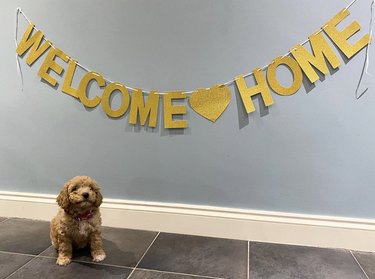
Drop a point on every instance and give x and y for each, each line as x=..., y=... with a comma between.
x=243, y=116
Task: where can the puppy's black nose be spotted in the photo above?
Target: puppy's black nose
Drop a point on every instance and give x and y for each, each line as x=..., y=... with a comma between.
x=85, y=195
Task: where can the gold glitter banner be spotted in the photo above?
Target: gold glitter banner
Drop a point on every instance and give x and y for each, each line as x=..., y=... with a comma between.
x=209, y=103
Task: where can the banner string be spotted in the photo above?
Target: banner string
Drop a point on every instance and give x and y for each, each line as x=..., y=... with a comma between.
x=367, y=58
x=18, y=10
x=230, y=82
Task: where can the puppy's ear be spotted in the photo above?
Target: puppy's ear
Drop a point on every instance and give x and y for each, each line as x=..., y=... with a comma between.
x=63, y=197
x=99, y=197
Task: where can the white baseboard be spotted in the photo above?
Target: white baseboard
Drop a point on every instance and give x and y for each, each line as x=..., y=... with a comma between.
x=253, y=225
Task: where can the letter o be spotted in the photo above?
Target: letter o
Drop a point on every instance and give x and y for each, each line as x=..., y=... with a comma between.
x=296, y=71
x=106, y=99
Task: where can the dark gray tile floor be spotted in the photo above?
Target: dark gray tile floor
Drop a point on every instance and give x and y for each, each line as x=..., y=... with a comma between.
x=285, y=261
x=26, y=252
x=222, y=258
x=367, y=261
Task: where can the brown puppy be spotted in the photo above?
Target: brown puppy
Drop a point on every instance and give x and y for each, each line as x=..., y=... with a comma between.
x=78, y=222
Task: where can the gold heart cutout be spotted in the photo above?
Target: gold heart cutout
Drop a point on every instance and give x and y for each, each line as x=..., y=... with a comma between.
x=210, y=103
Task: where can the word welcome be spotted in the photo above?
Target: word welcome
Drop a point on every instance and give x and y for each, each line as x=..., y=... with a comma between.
x=209, y=103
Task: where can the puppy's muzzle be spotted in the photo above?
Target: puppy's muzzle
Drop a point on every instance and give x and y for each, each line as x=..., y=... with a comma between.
x=85, y=195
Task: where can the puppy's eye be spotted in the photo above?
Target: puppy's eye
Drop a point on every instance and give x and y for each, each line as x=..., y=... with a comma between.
x=74, y=189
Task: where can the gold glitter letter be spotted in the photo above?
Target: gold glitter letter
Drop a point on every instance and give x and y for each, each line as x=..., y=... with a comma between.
x=82, y=88
x=34, y=42
x=296, y=71
x=340, y=37
x=247, y=92
x=67, y=85
x=49, y=63
x=170, y=110
x=321, y=49
x=138, y=107
x=107, y=95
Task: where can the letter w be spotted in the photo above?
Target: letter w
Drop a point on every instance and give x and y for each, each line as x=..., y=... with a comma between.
x=34, y=42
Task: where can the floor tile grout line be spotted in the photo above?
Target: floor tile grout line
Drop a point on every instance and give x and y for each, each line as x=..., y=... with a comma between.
x=6, y=219
x=144, y=254
x=25, y=254
x=51, y=257
x=359, y=264
x=16, y=253
x=179, y=273
x=88, y=262
x=248, y=259
x=102, y=264
x=25, y=264
x=80, y=261
x=44, y=250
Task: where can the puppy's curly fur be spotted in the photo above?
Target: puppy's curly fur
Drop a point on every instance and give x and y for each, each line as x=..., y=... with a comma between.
x=78, y=221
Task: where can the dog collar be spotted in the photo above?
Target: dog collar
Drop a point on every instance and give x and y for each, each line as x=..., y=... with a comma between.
x=85, y=216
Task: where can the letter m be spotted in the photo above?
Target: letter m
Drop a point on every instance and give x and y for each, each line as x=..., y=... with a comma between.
x=150, y=109
x=321, y=49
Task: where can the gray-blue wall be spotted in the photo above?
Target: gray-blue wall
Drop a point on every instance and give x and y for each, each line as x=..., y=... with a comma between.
x=312, y=152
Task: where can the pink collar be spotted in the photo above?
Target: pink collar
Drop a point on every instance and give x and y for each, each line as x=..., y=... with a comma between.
x=85, y=216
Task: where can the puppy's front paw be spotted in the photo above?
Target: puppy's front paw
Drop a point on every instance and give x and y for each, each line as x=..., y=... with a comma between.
x=62, y=260
x=98, y=256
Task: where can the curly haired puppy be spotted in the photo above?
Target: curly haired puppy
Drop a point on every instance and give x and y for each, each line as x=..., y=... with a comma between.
x=78, y=222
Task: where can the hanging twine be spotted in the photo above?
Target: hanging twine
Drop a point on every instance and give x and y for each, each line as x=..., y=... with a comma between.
x=367, y=58
x=230, y=82
x=18, y=11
